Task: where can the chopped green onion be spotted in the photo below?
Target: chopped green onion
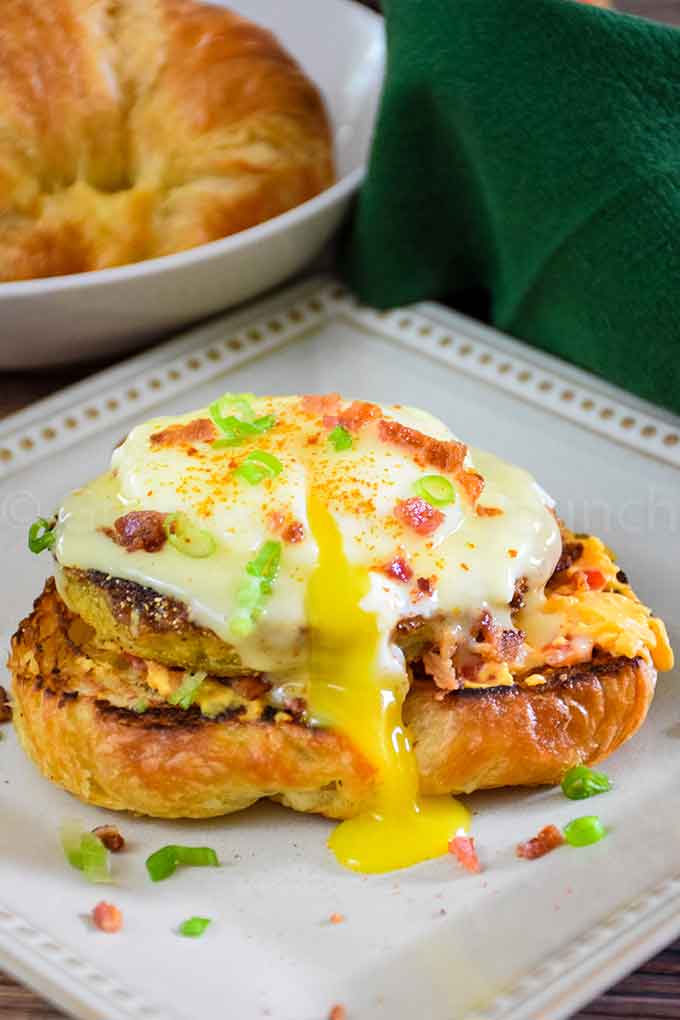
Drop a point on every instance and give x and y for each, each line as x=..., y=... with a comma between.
x=235, y=432
x=232, y=405
x=261, y=573
x=582, y=782
x=435, y=489
x=340, y=439
x=266, y=563
x=234, y=416
x=584, y=831
x=259, y=465
x=194, y=926
x=85, y=852
x=184, y=696
x=140, y=706
x=187, y=538
x=41, y=535
x=163, y=862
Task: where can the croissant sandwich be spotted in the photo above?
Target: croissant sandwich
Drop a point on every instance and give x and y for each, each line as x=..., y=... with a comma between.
x=333, y=604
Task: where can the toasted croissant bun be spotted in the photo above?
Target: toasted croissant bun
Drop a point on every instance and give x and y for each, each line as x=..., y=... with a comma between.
x=136, y=128
x=169, y=762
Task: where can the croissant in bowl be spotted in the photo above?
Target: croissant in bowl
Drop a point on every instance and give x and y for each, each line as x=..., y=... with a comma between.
x=131, y=129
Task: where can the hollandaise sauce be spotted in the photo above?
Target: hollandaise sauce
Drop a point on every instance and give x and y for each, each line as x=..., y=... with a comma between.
x=349, y=691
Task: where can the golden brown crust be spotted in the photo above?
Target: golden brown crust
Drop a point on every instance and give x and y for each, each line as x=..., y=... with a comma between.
x=170, y=763
x=136, y=128
x=515, y=736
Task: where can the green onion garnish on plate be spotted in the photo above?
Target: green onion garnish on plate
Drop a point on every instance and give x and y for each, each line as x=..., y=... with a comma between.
x=194, y=927
x=85, y=852
x=41, y=535
x=187, y=537
x=582, y=782
x=163, y=862
x=261, y=573
x=435, y=490
x=185, y=694
x=257, y=466
x=584, y=831
x=340, y=439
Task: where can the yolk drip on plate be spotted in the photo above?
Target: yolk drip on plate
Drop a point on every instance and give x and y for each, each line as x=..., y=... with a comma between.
x=350, y=692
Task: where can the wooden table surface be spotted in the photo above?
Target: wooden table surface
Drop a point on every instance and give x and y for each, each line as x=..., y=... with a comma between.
x=651, y=993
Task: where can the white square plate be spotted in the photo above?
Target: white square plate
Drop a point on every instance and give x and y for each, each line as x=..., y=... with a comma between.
x=522, y=940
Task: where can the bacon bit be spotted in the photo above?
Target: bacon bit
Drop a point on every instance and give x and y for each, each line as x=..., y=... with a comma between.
x=418, y=515
x=358, y=414
x=200, y=430
x=426, y=584
x=438, y=663
x=250, y=687
x=140, y=530
x=110, y=837
x=549, y=838
x=293, y=533
x=321, y=403
x=595, y=579
x=447, y=455
x=336, y=918
x=518, y=600
x=107, y=918
x=338, y=1012
x=571, y=552
x=512, y=553
x=504, y=642
x=5, y=706
x=489, y=511
x=399, y=569
x=464, y=566
x=473, y=484
x=275, y=521
x=463, y=848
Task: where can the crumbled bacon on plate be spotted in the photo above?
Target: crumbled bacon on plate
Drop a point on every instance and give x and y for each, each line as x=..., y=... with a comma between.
x=112, y=839
x=489, y=511
x=549, y=838
x=463, y=848
x=200, y=430
x=399, y=569
x=418, y=515
x=336, y=918
x=338, y=1012
x=107, y=918
x=140, y=530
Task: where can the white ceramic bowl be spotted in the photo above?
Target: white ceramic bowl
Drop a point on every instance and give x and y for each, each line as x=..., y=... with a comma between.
x=340, y=44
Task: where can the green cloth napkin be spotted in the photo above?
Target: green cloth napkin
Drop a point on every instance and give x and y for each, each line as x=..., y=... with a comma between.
x=531, y=148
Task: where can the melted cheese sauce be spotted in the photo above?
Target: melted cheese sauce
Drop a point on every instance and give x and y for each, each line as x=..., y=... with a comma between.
x=326, y=627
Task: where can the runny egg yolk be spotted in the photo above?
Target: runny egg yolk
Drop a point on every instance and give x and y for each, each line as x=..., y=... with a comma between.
x=350, y=693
